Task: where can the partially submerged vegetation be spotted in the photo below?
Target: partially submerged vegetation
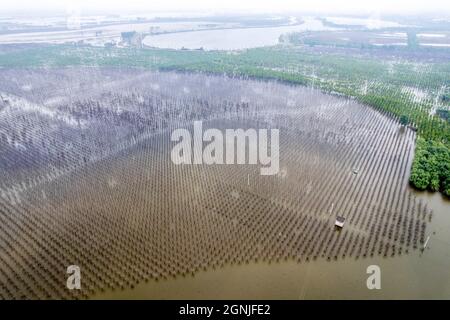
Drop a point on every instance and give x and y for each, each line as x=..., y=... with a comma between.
x=405, y=90
x=431, y=166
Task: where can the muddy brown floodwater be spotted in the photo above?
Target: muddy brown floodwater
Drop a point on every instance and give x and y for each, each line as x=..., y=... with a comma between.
x=91, y=183
x=418, y=275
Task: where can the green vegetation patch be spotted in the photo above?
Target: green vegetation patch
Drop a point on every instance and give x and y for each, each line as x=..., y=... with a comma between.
x=390, y=86
x=431, y=166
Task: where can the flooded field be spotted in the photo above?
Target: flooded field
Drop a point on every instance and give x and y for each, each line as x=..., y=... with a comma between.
x=89, y=182
x=418, y=275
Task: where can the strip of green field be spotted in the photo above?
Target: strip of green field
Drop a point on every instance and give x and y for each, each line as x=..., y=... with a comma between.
x=412, y=92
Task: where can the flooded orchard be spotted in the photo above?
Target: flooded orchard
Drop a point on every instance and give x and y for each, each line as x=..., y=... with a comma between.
x=87, y=180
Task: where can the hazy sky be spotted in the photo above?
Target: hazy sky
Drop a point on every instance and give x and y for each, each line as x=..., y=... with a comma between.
x=213, y=6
